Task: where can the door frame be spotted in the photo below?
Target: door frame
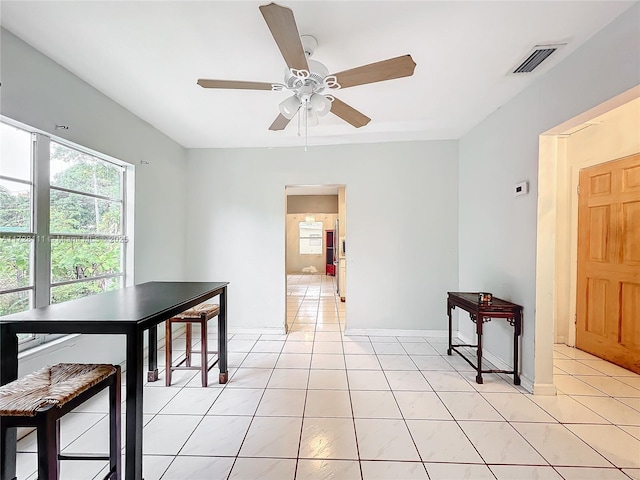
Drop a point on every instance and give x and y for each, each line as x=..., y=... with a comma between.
x=311, y=187
x=555, y=283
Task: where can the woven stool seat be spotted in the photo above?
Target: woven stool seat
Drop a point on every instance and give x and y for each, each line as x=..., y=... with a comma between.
x=55, y=385
x=42, y=398
x=210, y=310
x=200, y=314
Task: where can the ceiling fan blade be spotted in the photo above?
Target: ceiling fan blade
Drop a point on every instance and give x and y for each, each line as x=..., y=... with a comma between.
x=349, y=114
x=205, y=83
x=377, y=72
x=282, y=24
x=279, y=123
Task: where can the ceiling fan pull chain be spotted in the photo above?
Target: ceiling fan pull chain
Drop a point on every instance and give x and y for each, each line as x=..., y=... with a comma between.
x=306, y=123
x=306, y=131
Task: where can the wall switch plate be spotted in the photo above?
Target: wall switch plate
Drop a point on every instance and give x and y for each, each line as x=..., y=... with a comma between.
x=521, y=188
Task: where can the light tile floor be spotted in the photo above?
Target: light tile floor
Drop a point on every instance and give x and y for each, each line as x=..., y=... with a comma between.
x=314, y=404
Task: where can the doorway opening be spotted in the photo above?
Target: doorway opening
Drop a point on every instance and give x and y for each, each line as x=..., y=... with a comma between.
x=315, y=258
x=602, y=134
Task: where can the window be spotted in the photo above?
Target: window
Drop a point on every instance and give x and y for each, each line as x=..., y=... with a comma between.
x=86, y=224
x=310, y=238
x=63, y=229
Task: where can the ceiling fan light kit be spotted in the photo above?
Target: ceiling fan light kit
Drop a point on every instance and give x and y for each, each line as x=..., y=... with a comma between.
x=309, y=80
x=290, y=106
x=307, y=87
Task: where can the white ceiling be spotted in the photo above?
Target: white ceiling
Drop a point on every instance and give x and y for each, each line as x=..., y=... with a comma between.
x=147, y=56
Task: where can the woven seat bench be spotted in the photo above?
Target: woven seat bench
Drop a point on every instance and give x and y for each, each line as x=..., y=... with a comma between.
x=199, y=314
x=41, y=398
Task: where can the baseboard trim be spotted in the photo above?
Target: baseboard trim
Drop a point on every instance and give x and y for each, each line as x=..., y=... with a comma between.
x=497, y=361
x=544, y=389
x=391, y=332
x=525, y=382
x=258, y=331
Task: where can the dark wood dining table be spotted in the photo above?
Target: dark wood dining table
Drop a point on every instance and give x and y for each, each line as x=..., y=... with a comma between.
x=129, y=311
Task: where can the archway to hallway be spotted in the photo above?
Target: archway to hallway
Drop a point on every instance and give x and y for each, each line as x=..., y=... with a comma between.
x=315, y=260
x=559, y=163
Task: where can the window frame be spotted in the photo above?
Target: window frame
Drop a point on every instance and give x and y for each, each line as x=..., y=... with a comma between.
x=302, y=238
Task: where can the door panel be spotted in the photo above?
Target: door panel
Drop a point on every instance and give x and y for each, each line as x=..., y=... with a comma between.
x=600, y=184
x=599, y=223
x=630, y=229
x=631, y=178
x=630, y=315
x=608, y=294
x=596, y=306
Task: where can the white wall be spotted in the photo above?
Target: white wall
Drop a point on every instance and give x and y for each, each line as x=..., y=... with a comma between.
x=402, y=208
x=497, y=231
x=40, y=93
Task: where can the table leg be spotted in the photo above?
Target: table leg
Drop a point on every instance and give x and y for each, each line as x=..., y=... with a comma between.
x=133, y=440
x=187, y=350
x=8, y=373
x=204, y=355
x=222, y=337
x=479, y=334
x=517, y=331
x=168, y=354
x=152, y=374
x=450, y=326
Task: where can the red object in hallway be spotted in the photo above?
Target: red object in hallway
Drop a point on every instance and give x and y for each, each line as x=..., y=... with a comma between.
x=331, y=268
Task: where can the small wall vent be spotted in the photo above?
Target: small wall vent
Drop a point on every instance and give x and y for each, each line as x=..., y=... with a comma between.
x=538, y=55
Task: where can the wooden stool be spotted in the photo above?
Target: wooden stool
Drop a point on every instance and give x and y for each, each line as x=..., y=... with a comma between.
x=41, y=398
x=199, y=314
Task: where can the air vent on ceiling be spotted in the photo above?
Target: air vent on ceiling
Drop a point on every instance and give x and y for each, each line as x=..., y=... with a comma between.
x=538, y=55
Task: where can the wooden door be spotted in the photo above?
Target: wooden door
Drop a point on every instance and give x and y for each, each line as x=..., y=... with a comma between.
x=608, y=286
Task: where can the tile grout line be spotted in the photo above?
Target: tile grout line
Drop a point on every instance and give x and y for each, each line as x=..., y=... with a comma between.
x=306, y=395
x=346, y=373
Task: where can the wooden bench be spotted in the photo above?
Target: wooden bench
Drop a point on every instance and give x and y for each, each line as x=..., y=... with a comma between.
x=41, y=398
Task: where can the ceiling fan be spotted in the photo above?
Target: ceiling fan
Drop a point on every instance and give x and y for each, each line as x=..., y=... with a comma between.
x=308, y=80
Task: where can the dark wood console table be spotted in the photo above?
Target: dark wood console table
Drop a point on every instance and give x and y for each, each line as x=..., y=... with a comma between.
x=129, y=311
x=481, y=313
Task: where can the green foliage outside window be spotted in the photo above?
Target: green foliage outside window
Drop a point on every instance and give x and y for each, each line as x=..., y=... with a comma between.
x=15, y=208
x=14, y=273
x=62, y=293
x=15, y=253
x=73, y=213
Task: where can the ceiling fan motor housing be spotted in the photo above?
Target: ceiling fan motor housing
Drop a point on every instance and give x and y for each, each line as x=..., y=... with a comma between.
x=315, y=77
x=309, y=44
